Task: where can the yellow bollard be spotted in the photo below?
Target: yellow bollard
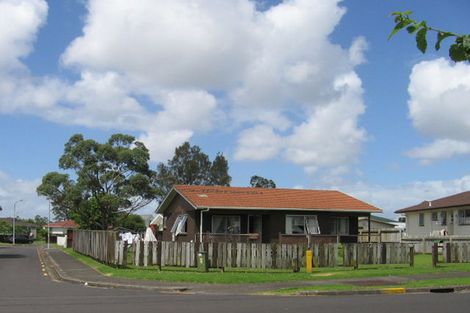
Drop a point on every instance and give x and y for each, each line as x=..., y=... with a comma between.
x=308, y=261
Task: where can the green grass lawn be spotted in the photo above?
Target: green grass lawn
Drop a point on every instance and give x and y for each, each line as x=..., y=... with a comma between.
x=239, y=276
x=428, y=283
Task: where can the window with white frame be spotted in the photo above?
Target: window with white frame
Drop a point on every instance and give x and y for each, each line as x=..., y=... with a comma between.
x=180, y=225
x=339, y=226
x=464, y=217
x=226, y=224
x=302, y=224
x=421, y=219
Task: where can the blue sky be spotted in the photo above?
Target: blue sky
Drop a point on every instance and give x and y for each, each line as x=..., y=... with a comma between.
x=308, y=93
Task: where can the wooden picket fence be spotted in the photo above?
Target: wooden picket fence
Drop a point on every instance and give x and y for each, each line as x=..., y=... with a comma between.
x=100, y=245
x=355, y=254
x=456, y=252
x=104, y=246
x=220, y=255
x=262, y=256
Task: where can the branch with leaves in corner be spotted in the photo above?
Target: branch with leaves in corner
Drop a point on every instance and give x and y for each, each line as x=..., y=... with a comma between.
x=459, y=51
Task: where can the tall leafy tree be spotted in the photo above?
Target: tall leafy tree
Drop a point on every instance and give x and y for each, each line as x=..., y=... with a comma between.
x=62, y=193
x=110, y=180
x=132, y=222
x=191, y=166
x=261, y=182
x=459, y=51
x=219, y=171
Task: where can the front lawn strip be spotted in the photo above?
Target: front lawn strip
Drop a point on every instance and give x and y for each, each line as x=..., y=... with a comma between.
x=427, y=283
x=253, y=276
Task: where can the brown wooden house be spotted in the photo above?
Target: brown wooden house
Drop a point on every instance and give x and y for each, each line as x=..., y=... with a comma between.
x=243, y=214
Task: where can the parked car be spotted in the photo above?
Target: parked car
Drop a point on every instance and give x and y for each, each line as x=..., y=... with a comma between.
x=20, y=238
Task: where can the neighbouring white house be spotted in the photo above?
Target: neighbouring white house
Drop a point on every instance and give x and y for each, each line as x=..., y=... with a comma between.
x=376, y=223
x=381, y=229
x=448, y=216
x=62, y=232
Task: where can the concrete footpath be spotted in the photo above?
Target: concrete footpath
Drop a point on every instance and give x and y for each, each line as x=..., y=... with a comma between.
x=62, y=267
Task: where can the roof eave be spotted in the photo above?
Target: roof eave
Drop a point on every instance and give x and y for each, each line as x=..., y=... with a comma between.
x=406, y=210
x=286, y=209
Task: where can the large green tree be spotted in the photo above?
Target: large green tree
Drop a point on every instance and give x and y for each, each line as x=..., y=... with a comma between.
x=132, y=222
x=191, y=166
x=261, y=182
x=62, y=192
x=108, y=181
x=459, y=51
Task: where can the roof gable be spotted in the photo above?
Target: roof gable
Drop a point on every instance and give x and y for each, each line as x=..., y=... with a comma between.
x=201, y=197
x=64, y=224
x=458, y=199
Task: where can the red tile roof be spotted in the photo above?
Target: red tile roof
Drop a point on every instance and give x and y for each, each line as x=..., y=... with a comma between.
x=64, y=224
x=459, y=199
x=263, y=198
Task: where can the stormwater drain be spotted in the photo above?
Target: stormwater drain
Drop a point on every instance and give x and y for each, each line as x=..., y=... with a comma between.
x=442, y=290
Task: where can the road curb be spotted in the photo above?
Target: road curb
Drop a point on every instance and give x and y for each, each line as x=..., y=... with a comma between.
x=389, y=291
x=54, y=270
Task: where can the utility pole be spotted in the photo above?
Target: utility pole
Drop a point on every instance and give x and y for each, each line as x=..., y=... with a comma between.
x=48, y=228
x=14, y=220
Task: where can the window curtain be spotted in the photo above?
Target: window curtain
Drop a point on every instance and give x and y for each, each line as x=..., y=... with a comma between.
x=443, y=218
x=181, y=226
x=175, y=225
x=225, y=224
x=311, y=225
x=288, y=224
x=233, y=224
x=218, y=224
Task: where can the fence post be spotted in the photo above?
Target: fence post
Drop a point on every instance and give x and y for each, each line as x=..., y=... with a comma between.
x=146, y=253
x=159, y=254
x=434, y=255
x=116, y=252
x=412, y=256
x=448, y=251
x=123, y=257
x=356, y=256
x=154, y=252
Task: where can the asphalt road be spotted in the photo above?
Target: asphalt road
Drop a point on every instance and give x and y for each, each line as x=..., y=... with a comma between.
x=24, y=288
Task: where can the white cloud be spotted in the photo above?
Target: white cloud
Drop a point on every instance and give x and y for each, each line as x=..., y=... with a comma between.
x=258, y=143
x=439, y=107
x=19, y=21
x=185, y=111
x=161, y=144
x=330, y=138
x=356, y=51
x=192, y=109
x=12, y=190
x=175, y=44
x=440, y=149
x=392, y=198
x=163, y=68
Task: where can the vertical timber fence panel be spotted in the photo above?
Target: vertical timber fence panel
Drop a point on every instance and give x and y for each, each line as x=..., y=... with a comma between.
x=103, y=246
x=98, y=244
x=456, y=252
x=377, y=253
